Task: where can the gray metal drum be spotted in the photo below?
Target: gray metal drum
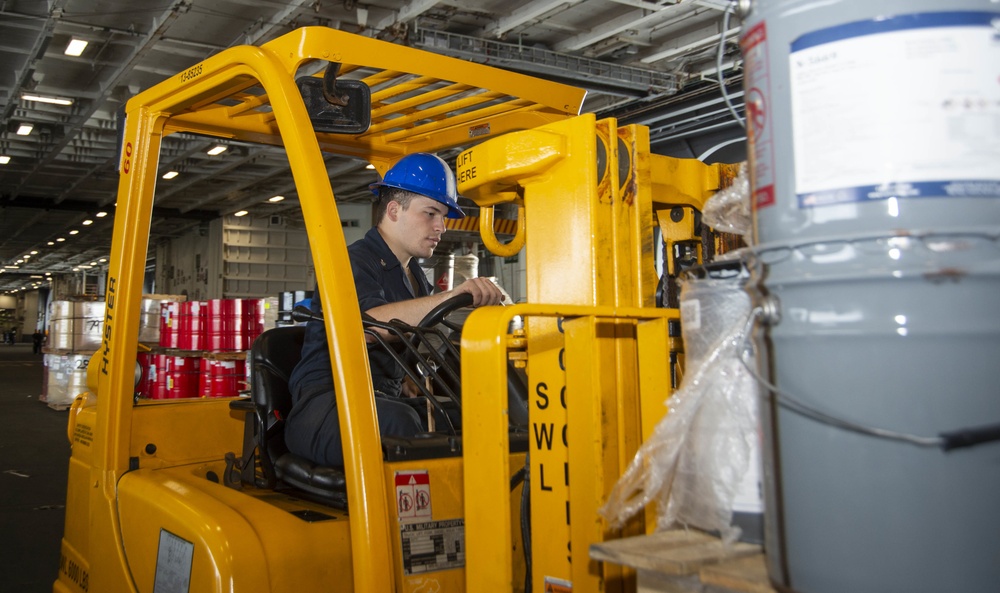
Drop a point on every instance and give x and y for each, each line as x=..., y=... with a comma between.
x=899, y=334
x=872, y=116
x=875, y=166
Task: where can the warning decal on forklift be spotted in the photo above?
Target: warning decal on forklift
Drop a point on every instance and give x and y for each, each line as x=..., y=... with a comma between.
x=413, y=496
x=434, y=545
x=173, y=564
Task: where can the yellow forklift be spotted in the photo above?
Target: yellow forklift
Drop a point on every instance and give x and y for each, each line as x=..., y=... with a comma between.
x=198, y=495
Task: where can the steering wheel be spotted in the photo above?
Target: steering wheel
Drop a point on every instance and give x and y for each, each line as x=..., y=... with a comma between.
x=436, y=316
x=517, y=396
x=438, y=313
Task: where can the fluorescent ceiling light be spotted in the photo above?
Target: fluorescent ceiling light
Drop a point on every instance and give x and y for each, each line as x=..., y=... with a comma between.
x=218, y=150
x=12, y=267
x=101, y=214
x=241, y=213
x=50, y=100
x=24, y=129
x=170, y=174
x=4, y=159
x=369, y=166
x=34, y=253
x=74, y=231
x=102, y=260
x=34, y=276
x=51, y=243
x=60, y=239
x=76, y=47
x=276, y=199
x=87, y=222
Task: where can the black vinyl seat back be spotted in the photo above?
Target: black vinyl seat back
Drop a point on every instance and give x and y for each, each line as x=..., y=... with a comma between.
x=273, y=356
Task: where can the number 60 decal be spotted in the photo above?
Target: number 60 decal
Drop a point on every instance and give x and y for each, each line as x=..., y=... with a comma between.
x=127, y=163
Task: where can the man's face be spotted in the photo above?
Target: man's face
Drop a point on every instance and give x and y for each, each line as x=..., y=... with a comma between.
x=421, y=226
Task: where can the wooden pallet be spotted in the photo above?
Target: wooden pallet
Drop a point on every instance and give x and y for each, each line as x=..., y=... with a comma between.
x=222, y=355
x=681, y=561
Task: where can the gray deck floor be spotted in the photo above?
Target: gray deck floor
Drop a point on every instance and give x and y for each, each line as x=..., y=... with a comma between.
x=34, y=458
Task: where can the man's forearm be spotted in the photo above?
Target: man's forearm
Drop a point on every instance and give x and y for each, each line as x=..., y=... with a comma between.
x=411, y=311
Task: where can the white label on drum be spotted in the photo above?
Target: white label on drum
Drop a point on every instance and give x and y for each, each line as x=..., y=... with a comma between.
x=903, y=107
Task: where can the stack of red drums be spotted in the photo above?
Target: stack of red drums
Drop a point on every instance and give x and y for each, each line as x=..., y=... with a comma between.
x=175, y=377
x=222, y=378
x=217, y=325
x=168, y=377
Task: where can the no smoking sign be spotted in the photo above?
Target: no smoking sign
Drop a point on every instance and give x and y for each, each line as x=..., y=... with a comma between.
x=413, y=496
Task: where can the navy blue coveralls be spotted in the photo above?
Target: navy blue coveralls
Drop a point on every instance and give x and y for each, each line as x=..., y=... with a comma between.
x=312, y=429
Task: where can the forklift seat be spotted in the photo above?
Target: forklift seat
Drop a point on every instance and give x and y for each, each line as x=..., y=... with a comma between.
x=272, y=357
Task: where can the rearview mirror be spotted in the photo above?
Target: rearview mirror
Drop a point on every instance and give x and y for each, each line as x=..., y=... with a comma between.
x=342, y=107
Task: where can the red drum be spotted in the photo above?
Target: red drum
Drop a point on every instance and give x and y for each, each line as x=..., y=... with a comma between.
x=223, y=325
x=192, y=320
x=253, y=321
x=157, y=376
x=169, y=324
x=144, y=387
x=182, y=376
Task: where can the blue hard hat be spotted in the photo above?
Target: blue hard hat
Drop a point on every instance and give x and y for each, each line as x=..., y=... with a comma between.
x=427, y=175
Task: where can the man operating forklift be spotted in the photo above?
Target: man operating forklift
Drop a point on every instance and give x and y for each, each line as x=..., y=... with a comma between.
x=414, y=198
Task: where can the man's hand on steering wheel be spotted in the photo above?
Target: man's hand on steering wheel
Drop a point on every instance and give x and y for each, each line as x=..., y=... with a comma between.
x=483, y=290
x=476, y=292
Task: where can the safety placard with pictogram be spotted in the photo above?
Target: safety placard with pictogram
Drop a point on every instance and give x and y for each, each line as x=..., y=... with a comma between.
x=413, y=496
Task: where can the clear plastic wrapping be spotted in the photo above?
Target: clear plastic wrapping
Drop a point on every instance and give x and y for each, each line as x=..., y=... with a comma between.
x=695, y=460
x=729, y=209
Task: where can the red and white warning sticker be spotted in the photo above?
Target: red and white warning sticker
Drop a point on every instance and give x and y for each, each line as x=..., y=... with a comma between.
x=761, y=154
x=413, y=496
